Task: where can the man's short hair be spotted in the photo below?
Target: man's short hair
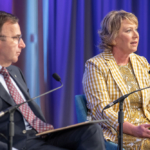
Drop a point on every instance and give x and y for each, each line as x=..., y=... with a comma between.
x=110, y=26
x=7, y=17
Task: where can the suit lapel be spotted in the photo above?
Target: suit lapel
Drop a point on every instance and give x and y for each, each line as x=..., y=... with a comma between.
x=5, y=96
x=138, y=71
x=110, y=60
x=22, y=86
x=19, y=83
x=3, y=93
x=142, y=77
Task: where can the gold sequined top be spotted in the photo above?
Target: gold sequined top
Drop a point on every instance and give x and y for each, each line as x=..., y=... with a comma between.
x=136, y=114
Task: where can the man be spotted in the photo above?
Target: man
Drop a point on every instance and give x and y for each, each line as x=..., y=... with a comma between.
x=29, y=119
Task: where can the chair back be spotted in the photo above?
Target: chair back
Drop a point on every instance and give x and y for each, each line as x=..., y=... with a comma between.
x=81, y=109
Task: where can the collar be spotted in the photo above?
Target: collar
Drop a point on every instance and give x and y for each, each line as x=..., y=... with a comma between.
x=108, y=55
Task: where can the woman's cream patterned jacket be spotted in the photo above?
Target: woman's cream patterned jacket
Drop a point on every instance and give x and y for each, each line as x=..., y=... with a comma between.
x=103, y=83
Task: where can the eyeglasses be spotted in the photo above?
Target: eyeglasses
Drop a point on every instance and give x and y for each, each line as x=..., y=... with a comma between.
x=17, y=39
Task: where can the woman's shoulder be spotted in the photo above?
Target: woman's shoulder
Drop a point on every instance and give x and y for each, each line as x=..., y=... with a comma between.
x=100, y=58
x=138, y=57
x=141, y=59
x=97, y=60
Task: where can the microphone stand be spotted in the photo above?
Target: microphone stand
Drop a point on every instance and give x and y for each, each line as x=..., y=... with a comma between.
x=120, y=121
x=11, y=111
x=11, y=129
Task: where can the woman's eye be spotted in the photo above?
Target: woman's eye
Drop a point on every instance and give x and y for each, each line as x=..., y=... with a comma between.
x=128, y=30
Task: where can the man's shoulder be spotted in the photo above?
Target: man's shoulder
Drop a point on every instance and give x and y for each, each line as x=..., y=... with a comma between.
x=13, y=68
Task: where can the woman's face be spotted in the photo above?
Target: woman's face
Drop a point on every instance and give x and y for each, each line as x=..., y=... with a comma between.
x=128, y=38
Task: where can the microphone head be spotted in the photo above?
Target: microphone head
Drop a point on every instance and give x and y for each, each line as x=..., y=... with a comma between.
x=56, y=77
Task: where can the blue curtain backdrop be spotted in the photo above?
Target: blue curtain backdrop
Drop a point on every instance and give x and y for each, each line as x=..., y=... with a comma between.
x=60, y=36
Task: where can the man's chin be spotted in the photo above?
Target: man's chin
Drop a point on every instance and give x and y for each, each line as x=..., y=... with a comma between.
x=15, y=60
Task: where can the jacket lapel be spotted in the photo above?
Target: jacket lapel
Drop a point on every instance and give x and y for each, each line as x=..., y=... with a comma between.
x=138, y=70
x=19, y=83
x=142, y=78
x=5, y=96
x=22, y=86
x=110, y=60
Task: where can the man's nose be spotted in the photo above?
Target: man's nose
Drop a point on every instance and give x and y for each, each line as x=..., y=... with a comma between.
x=22, y=44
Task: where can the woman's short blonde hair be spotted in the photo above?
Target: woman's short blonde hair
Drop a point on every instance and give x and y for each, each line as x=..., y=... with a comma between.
x=110, y=26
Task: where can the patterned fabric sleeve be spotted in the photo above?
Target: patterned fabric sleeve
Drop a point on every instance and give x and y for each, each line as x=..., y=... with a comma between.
x=96, y=91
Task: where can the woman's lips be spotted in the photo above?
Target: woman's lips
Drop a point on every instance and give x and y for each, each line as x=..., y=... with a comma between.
x=134, y=43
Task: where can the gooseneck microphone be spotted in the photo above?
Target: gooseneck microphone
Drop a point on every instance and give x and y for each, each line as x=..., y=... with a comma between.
x=55, y=76
x=122, y=98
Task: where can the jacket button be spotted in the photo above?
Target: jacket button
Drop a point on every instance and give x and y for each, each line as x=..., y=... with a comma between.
x=24, y=131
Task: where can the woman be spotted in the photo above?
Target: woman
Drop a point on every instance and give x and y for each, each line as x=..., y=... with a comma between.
x=118, y=71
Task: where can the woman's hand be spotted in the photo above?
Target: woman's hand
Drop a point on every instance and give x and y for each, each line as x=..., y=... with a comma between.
x=141, y=131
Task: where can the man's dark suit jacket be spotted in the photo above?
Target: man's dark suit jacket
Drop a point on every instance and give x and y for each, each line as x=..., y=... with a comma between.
x=6, y=101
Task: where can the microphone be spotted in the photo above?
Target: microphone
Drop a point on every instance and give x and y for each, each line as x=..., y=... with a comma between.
x=122, y=98
x=55, y=76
